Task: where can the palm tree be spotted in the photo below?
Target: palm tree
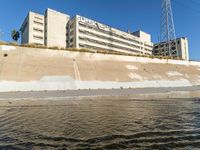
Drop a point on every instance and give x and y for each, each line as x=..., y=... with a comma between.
x=15, y=35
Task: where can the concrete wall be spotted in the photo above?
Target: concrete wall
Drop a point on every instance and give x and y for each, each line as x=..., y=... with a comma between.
x=27, y=69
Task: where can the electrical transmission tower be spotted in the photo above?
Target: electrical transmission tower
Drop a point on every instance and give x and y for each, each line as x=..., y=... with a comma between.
x=167, y=34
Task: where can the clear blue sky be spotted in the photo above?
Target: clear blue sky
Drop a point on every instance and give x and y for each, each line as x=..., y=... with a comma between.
x=123, y=14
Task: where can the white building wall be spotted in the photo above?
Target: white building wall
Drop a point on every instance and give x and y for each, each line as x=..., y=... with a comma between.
x=143, y=36
x=184, y=48
x=36, y=21
x=33, y=29
x=91, y=34
x=60, y=31
x=56, y=28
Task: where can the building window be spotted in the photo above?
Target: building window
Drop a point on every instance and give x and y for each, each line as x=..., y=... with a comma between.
x=38, y=18
x=38, y=30
x=71, y=40
x=71, y=26
x=39, y=23
x=107, y=44
x=173, y=48
x=111, y=33
x=110, y=39
x=38, y=37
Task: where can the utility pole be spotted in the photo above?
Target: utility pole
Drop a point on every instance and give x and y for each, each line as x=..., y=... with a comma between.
x=167, y=32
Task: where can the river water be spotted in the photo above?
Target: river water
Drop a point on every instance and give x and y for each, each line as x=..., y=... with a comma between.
x=102, y=124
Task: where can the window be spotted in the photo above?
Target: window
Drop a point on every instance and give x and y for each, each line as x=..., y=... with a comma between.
x=71, y=26
x=71, y=40
x=38, y=37
x=38, y=30
x=38, y=18
x=39, y=23
x=72, y=32
x=109, y=33
x=173, y=48
x=108, y=44
x=108, y=38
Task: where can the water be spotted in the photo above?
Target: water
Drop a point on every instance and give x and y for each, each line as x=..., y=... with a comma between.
x=102, y=124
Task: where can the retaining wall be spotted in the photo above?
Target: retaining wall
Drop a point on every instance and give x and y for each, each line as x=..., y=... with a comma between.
x=29, y=69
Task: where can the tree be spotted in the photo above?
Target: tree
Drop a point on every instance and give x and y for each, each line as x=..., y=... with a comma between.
x=15, y=35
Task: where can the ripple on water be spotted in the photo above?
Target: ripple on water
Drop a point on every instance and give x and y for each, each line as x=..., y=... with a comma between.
x=103, y=124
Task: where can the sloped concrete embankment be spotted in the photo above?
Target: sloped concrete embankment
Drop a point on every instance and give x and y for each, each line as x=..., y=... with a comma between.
x=29, y=69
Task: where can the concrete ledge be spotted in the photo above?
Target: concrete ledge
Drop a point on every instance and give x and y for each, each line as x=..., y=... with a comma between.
x=67, y=83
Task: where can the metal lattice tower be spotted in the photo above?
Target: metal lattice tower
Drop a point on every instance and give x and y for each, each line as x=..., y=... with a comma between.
x=167, y=34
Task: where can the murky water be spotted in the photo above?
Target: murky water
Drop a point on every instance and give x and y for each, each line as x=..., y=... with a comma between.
x=102, y=124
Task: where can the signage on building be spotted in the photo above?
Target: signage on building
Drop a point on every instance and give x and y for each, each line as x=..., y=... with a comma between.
x=91, y=22
x=87, y=21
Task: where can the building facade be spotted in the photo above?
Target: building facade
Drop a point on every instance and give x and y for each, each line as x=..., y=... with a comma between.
x=57, y=29
x=87, y=33
x=180, y=46
x=50, y=29
x=32, y=29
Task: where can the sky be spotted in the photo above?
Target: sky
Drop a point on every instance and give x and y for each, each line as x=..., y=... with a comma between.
x=122, y=14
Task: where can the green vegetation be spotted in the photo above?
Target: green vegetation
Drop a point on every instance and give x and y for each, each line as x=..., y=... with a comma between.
x=105, y=52
x=15, y=35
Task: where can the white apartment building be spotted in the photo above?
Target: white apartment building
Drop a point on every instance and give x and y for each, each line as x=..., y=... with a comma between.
x=57, y=29
x=32, y=29
x=86, y=33
x=49, y=29
x=181, y=47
